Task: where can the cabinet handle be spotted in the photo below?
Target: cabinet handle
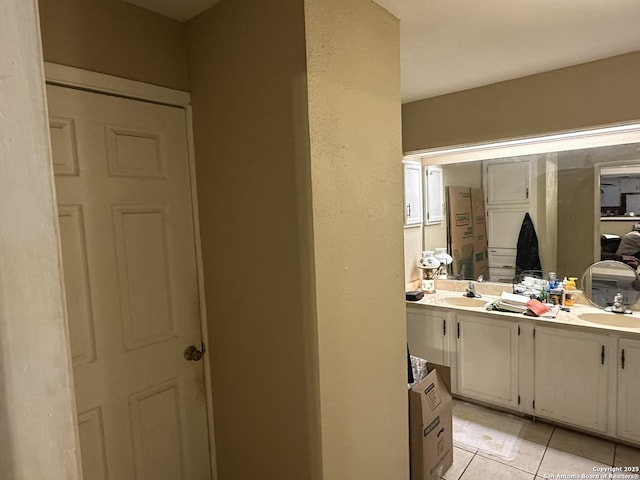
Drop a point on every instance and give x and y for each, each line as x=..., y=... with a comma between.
x=602, y=356
x=622, y=358
x=408, y=210
x=444, y=328
x=458, y=330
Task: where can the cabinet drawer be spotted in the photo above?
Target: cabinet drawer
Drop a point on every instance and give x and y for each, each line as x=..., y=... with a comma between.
x=502, y=257
x=503, y=275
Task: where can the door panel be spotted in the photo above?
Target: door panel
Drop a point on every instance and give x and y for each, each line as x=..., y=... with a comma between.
x=128, y=247
x=144, y=276
x=76, y=280
x=628, y=389
x=488, y=359
x=91, y=432
x=571, y=376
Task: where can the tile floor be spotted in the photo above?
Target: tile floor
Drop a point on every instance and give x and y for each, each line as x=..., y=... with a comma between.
x=542, y=451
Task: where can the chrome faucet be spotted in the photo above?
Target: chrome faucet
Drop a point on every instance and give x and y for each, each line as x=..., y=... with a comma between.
x=471, y=291
x=617, y=306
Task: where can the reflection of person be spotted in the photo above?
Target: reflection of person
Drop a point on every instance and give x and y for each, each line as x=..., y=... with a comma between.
x=630, y=243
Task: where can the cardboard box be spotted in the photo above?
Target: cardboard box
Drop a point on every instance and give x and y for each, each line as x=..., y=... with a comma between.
x=480, y=244
x=460, y=230
x=467, y=232
x=430, y=424
x=479, y=217
x=460, y=225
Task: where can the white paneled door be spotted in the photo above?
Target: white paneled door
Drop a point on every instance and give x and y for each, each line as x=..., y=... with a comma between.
x=128, y=250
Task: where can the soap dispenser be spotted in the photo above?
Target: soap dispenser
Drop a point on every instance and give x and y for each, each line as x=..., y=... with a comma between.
x=569, y=292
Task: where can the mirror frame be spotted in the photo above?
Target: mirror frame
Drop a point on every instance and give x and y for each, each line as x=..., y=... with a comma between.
x=628, y=294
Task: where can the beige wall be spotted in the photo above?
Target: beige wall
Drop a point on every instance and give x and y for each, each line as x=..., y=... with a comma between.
x=546, y=222
x=38, y=435
x=248, y=88
x=576, y=207
x=315, y=294
x=354, y=117
x=116, y=38
x=617, y=228
x=576, y=97
x=412, y=252
x=284, y=322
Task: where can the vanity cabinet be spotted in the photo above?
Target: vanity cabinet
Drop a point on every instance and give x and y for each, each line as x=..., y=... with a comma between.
x=628, y=367
x=571, y=379
x=428, y=334
x=582, y=378
x=487, y=359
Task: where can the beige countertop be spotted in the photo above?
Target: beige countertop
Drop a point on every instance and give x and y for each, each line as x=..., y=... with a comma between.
x=601, y=321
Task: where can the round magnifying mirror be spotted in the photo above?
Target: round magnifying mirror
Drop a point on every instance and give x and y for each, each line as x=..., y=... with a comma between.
x=603, y=280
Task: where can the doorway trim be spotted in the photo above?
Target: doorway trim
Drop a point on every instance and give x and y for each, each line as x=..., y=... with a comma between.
x=65, y=76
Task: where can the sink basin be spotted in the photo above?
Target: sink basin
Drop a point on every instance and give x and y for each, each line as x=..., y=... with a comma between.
x=465, y=301
x=612, y=319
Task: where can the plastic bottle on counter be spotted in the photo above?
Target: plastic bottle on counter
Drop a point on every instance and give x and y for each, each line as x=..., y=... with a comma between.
x=544, y=293
x=569, y=292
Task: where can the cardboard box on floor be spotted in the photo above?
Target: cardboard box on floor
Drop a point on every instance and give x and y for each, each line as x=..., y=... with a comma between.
x=430, y=424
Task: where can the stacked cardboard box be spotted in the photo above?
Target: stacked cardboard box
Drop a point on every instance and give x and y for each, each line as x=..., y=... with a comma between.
x=467, y=232
x=480, y=244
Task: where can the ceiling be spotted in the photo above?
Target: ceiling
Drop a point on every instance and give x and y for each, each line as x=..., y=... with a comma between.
x=181, y=10
x=452, y=45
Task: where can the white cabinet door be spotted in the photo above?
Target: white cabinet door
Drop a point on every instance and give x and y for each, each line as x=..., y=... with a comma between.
x=571, y=375
x=503, y=228
x=487, y=359
x=434, y=207
x=412, y=176
x=428, y=334
x=628, y=389
x=629, y=185
x=507, y=182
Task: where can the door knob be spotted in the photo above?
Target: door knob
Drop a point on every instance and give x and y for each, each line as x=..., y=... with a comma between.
x=192, y=353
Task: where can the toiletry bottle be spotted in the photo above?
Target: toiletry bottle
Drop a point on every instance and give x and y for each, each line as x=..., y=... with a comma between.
x=544, y=294
x=569, y=292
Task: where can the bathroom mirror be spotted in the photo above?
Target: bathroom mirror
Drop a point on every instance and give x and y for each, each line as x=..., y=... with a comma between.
x=603, y=280
x=567, y=214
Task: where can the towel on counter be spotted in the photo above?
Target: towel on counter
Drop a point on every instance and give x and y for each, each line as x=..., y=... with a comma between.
x=552, y=313
x=537, y=307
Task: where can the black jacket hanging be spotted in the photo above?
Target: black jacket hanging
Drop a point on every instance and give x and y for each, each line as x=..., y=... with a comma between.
x=527, y=257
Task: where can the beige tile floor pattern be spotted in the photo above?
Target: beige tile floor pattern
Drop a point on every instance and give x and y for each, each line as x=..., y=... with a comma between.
x=543, y=449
